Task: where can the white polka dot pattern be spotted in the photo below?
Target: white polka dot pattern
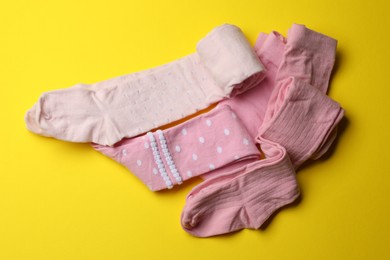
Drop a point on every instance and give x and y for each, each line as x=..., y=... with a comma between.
x=189, y=149
x=139, y=162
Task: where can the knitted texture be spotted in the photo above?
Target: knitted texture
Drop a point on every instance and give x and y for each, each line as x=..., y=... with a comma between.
x=224, y=65
x=247, y=197
x=300, y=122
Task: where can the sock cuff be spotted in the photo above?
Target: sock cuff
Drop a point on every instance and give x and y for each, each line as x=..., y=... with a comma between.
x=229, y=58
x=271, y=49
x=321, y=49
x=301, y=119
x=261, y=38
x=301, y=37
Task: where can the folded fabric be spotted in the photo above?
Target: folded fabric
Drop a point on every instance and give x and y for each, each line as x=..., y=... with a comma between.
x=104, y=113
x=299, y=123
x=283, y=57
x=250, y=107
x=247, y=197
x=287, y=115
x=243, y=198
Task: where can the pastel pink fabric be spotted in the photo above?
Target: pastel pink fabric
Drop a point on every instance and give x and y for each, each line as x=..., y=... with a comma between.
x=249, y=108
x=306, y=55
x=223, y=66
x=300, y=120
x=211, y=141
x=242, y=198
x=278, y=56
x=287, y=115
x=245, y=198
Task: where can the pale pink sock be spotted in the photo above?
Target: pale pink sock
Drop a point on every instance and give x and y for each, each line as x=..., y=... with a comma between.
x=304, y=117
x=223, y=66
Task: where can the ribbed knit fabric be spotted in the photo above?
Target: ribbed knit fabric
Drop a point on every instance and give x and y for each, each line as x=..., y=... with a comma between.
x=303, y=120
x=223, y=66
x=300, y=119
x=305, y=54
x=247, y=197
x=222, y=205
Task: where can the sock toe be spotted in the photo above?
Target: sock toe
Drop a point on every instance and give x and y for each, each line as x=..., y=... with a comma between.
x=31, y=122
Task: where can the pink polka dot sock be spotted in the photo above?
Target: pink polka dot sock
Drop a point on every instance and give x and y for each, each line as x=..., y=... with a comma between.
x=210, y=142
x=245, y=198
x=104, y=113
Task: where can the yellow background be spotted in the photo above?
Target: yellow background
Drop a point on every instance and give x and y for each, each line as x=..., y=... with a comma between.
x=61, y=200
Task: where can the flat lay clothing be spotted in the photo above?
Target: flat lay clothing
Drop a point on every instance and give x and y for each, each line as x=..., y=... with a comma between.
x=248, y=107
x=272, y=115
x=279, y=56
